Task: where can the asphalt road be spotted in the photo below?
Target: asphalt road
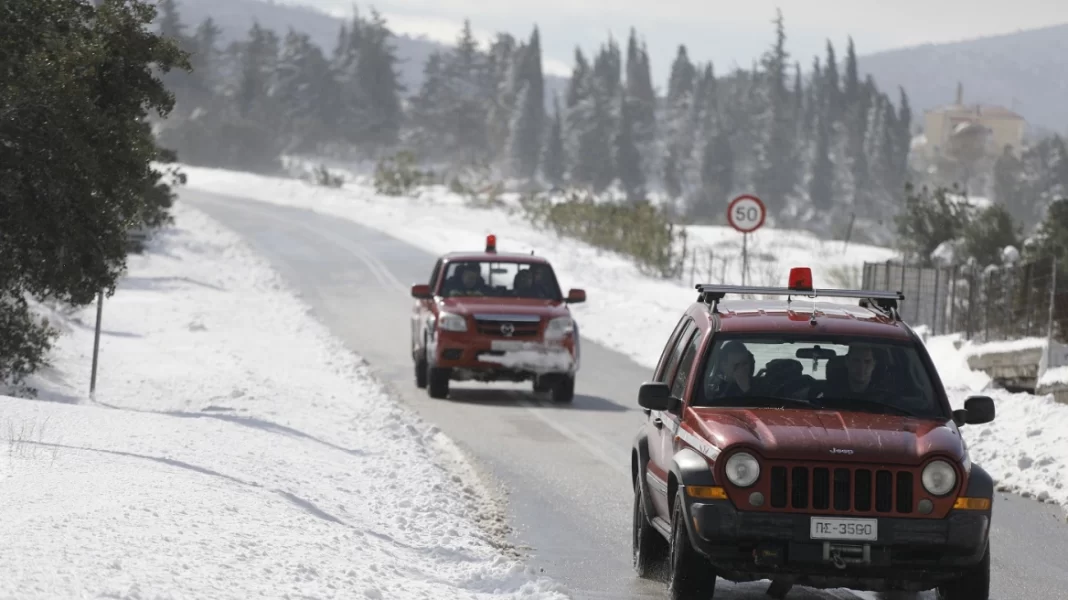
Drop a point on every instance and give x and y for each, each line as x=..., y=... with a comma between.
x=565, y=469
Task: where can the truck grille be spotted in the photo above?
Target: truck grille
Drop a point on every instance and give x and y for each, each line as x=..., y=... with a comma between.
x=519, y=329
x=842, y=489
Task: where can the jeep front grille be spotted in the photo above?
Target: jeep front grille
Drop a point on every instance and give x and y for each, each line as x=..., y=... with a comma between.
x=842, y=489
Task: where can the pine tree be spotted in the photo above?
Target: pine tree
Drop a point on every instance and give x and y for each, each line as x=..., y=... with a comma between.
x=832, y=92
x=379, y=85
x=775, y=175
x=628, y=165
x=553, y=159
x=821, y=181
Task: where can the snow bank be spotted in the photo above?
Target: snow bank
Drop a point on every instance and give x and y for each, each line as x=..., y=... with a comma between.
x=1023, y=448
x=233, y=450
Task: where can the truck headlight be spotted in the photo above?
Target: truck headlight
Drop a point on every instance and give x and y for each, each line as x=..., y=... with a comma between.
x=742, y=469
x=939, y=478
x=559, y=327
x=451, y=322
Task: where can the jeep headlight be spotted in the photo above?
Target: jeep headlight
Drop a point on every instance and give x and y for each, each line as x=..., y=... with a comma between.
x=451, y=322
x=559, y=327
x=742, y=469
x=939, y=478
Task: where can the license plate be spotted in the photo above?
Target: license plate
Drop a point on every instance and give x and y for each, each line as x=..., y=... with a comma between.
x=509, y=345
x=823, y=528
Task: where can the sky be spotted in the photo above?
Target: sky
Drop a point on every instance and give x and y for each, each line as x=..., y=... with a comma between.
x=727, y=33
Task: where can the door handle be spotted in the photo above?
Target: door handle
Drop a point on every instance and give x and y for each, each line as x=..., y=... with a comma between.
x=658, y=423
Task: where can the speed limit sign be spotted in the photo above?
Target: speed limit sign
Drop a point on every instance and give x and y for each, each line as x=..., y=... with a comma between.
x=746, y=213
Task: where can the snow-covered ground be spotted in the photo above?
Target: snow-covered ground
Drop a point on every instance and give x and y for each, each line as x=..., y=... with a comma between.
x=1026, y=448
x=233, y=450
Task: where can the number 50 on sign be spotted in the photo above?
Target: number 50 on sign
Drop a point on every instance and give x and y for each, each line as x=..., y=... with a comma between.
x=746, y=213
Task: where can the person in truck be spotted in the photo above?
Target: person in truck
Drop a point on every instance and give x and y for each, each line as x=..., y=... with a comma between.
x=465, y=281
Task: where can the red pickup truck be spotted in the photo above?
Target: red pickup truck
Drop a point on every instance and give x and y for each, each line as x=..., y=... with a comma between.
x=807, y=443
x=491, y=316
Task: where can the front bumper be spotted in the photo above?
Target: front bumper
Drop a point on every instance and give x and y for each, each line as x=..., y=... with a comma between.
x=909, y=554
x=479, y=357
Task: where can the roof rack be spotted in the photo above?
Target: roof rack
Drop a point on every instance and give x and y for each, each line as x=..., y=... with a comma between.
x=883, y=301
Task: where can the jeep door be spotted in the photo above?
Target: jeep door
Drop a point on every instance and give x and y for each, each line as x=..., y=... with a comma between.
x=661, y=425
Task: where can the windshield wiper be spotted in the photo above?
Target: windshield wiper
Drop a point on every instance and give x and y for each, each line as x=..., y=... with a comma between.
x=873, y=403
x=769, y=400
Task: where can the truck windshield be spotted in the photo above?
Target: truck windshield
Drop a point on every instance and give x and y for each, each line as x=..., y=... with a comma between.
x=500, y=279
x=842, y=373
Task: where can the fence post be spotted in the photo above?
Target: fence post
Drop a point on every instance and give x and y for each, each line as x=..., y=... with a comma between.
x=951, y=320
x=1049, y=322
x=934, y=301
x=96, y=342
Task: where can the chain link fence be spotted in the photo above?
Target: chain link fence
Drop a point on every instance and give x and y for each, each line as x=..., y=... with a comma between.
x=991, y=304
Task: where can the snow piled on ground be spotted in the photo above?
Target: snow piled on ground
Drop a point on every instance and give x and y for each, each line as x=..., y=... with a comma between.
x=233, y=450
x=1025, y=449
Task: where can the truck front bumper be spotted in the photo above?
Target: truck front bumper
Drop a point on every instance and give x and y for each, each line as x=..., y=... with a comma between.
x=908, y=554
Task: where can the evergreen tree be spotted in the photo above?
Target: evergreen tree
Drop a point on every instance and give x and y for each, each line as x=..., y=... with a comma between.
x=553, y=160
x=627, y=159
x=380, y=120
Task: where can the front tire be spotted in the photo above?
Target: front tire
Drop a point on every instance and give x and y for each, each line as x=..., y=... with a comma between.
x=437, y=382
x=690, y=575
x=564, y=389
x=421, y=375
x=973, y=586
x=649, y=549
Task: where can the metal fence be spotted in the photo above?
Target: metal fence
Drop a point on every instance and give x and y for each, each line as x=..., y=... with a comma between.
x=995, y=303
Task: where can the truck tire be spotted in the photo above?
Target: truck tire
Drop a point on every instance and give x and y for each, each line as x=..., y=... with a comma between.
x=437, y=382
x=690, y=575
x=421, y=374
x=564, y=389
x=648, y=548
x=973, y=586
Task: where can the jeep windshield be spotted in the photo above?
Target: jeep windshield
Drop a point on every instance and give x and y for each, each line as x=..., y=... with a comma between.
x=817, y=372
x=500, y=279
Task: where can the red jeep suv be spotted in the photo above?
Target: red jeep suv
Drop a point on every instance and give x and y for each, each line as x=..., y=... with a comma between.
x=806, y=443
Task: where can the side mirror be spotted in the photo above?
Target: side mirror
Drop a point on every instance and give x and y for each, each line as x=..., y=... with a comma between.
x=421, y=291
x=656, y=396
x=980, y=410
x=575, y=296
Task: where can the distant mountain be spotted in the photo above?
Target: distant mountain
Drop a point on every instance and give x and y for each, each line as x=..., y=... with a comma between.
x=235, y=18
x=1026, y=72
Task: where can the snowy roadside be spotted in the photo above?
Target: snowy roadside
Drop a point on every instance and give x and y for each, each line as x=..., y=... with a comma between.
x=1025, y=449
x=234, y=449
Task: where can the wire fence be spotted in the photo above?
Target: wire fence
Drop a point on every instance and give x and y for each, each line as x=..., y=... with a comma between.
x=991, y=304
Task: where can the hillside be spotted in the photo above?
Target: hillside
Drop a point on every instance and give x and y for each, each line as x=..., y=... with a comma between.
x=235, y=17
x=1023, y=71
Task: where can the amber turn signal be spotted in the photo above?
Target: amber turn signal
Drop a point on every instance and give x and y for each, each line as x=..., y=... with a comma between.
x=707, y=492
x=963, y=503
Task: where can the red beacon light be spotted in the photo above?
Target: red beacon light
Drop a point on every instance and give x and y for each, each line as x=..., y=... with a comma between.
x=801, y=279
x=491, y=243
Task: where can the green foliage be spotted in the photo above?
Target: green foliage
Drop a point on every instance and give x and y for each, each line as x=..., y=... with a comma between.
x=325, y=178
x=75, y=154
x=398, y=175
x=929, y=219
x=988, y=232
x=638, y=230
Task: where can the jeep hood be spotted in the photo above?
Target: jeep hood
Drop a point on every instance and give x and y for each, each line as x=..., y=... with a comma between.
x=468, y=305
x=827, y=435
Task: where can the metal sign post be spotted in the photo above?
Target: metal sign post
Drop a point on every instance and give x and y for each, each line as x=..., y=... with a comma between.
x=96, y=342
x=746, y=214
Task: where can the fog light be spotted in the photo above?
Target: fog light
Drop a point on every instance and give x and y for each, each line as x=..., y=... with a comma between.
x=756, y=499
x=926, y=506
